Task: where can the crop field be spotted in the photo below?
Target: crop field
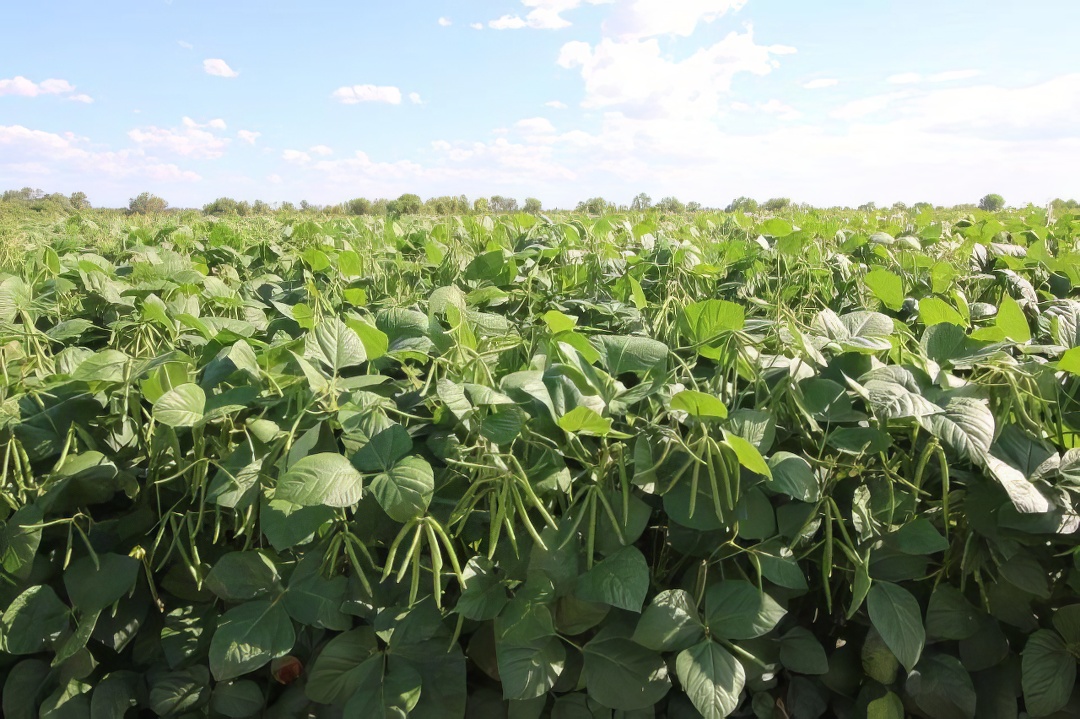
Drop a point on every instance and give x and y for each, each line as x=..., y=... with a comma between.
x=642, y=464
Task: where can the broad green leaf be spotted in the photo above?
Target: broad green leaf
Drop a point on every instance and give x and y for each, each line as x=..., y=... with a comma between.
x=949, y=615
x=736, y=609
x=248, y=637
x=181, y=406
x=178, y=692
x=531, y=670
x=321, y=479
x=620, y=580
x=670, y=622
x=699, y=404
x=583, y=420
x=623, y=353
x=1011, y=320
x=886, y=286
x=484, y=595
x=336, y=674
x=93, y=587
x=336, y=345
x=711, y=678
x=934, y=311
x=32, y=620
x=966, y=427
x=748, y=455
x=792, y=475
x=897, y=617
x=623, y=675
x=240, y=576
x=1048, y=673
x=889, y=706
x=800, y=651
x=941, y=687
x=237, y=699
x=405, y=491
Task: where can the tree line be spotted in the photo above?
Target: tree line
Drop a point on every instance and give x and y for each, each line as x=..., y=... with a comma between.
x=447, y=205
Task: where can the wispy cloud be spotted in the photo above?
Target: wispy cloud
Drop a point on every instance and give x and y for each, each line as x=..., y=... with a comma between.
x=218, y=68
x=25, y=87
x=913, y=78
x=557, y=104
x=192, y=139
x=445, y=22
x=507, y=22
x=248, y=136
x=821, y=83
x=185, y=44
x=355, y=94
x=476, y=25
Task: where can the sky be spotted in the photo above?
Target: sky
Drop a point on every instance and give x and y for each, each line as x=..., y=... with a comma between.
x=831, y=103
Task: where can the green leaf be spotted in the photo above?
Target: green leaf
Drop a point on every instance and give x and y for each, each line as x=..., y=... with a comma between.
x=240, y=576
x=777, y=227
x=23, y=689
x=620, y=580
x=896, y=615
x=181, y=406
x=886, y=286
x=736, y=609
x=704, y=321
x=484, y=595
x=530, y=671
x=698, y=404
x=248, y=637
x=748, y=454
x=1011, y=320
x=1070, y=361
x=800, y=651
x=286, y=524
x=336, y=345
x=670, y=622
x=1067, y=622
x=179, y=692
x=33, y=620
x=583, y=420
x=91, y=588
x=237, y=699
x=711, y=678
x=623, y=675
x=338, y=672
x=933, y=311
x=889, y=706
x=792, y=475
x=1048, y=673
x=406, y=490
x=114, y=695
x=966, y=427
x=949, y=615
x=314, y=599
x=384, y=449
x=623, y=353
x=325, y=478
x=941, y=687
x=104, y=366
x=919, y=537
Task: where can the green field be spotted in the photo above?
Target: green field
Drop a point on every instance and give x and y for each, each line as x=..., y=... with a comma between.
x=793, y=465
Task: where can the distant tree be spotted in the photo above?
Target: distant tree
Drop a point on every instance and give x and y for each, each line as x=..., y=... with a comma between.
x=533, y=206
x=146, y=204
x=379, y=206
x=693, y=207
x=79, y=201
x=26, y=194
x=1061, y=207
x=991, y=203
x=260, y=208
x=742, y=204
x=498, y=203
x=595, y=206
x=305, y=206
x=670, y=204
x=287, y=207
x=481, y=205
x=359, y=206
x=407, y=204
x=899, y=206
x=867, y=207
x=227, y=206
x=922, y=207
x=776, y=204
x=641, y=202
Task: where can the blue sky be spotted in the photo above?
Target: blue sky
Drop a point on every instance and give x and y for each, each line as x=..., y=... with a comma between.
x=829, y=103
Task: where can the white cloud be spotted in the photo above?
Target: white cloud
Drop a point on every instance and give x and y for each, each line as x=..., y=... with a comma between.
x=858, y=109
x=477, y=25
x=821, y=83
x=185, y=44
x=23, y=87
x=557, y=104
x=639, y=78
x=781, y=110
x=77, y=161
x=219, y=68
x=507, y=22
x=543, y=15
x=414, y=98
x=85, y=99
x=248, y=136
x=321, y=150
x=297, y=156
x=535, y=126
x=912, y=78
x=192, y=140
x=274, y=179
x=445, y=22
x=650, y=18
x=355, y=94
